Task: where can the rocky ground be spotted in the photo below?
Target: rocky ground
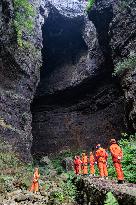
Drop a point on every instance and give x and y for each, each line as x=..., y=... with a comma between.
x=125, y=193
x=28, y=198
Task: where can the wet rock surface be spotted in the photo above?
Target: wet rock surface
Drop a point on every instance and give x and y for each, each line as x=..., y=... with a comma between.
x=19, y=75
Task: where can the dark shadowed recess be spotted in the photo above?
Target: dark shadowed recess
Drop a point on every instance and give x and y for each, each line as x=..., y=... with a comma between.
x=101, y=19
x=63, y=44
x=62, y=41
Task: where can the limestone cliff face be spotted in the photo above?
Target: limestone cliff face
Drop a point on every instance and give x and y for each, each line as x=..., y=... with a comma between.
x=77, y=103
x=123, y=43
x=19, y=76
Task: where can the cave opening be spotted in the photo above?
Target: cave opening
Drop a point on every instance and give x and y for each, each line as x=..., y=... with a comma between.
x=69, y=115
x=63, y=45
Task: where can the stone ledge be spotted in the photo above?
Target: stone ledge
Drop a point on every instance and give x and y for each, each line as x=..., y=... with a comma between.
x=93, y=191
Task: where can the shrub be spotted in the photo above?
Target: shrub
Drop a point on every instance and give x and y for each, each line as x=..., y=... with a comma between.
x=127, y=64
x=110, y=199
x=129, y=161
x=69, y=189
x=13, y=172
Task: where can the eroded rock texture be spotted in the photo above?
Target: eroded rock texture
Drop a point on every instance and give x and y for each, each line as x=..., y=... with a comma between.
x=19, y=75
x=77, y=103
x=123, y=43
x=92, y=191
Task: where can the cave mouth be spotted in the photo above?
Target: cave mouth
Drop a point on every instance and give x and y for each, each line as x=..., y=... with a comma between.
x=76, y=116
x=63, y=44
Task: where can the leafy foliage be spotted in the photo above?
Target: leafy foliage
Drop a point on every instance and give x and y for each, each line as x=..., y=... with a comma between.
x=66, y=191
x=129, y=161
x=24, y=20
x=68, y=187
x=13, y=172
x=110, y=199
x=127, y=64
x=90, y=4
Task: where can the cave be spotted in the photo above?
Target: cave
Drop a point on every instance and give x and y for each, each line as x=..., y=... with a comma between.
x=76, y=105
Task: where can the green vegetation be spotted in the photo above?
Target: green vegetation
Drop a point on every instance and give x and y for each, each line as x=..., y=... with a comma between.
x=127, y=64
x=110, y=199
x=128, y=145
x=129, y=160
x=90, y=4
x=13, y=173
x=66, y=191
x=23, y=20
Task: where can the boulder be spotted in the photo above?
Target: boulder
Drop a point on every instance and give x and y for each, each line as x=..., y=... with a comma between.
x=67, y=163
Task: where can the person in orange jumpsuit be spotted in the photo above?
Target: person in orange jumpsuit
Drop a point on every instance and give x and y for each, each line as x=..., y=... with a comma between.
x=117, y=156
x=92, y=162
x=35, y=184
x=101, y=157
x=84, y=164
x=77, y=165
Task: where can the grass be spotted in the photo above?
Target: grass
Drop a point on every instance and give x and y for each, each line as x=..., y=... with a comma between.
x=128, y=145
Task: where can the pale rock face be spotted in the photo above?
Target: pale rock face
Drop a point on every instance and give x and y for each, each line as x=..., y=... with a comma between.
x=70, y=8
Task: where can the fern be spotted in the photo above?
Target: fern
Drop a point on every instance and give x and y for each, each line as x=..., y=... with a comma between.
x=110, y=199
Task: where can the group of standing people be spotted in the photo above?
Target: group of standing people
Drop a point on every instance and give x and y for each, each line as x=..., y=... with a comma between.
x=100, y=157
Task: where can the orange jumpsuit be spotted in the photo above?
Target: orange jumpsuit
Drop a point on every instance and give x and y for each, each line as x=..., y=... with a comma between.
x=84, y=164
x=117, y=155
x=77, y=165
x=101, y=156
x=35, y=184
x=92, y=161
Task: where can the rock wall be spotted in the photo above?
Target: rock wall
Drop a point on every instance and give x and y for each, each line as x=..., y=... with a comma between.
x=77, y=103
x=123, y=43
x=68, y=122
x=19, y=76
